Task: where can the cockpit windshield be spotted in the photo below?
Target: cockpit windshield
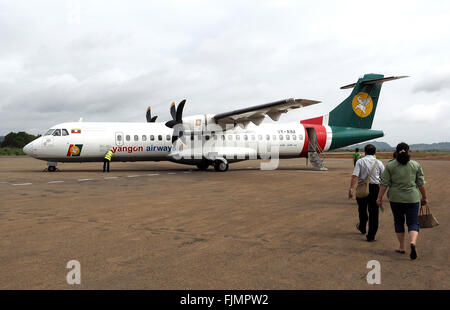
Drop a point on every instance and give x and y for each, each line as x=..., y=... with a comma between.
x=49, y=132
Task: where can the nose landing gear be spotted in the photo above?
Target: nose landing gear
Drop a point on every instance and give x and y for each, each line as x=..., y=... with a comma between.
x=51, y=167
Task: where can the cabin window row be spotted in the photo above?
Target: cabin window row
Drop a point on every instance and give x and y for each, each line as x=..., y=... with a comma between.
x=255, y=137
x=144, y=138
x=215, y=137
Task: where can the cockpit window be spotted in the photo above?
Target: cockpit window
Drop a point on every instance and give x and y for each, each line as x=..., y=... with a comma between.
x=65, y=132
x=57, y=132
x=49, y=132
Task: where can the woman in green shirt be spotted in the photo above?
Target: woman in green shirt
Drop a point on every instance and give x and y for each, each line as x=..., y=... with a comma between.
x=406, y=183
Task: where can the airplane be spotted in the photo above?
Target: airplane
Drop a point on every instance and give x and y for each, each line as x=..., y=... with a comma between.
x=220, y=139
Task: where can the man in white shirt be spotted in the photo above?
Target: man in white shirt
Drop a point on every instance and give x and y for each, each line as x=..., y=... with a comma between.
x=361, y=171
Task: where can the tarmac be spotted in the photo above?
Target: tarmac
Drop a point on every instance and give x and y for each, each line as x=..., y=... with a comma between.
x=161, y=225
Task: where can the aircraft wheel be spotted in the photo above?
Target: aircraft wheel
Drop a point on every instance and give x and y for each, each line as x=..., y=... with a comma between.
x=203, y=166
x=220, y=166
x=51, y=168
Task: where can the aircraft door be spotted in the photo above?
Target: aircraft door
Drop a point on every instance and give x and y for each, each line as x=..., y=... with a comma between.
x=119, y=138
x=312, y=139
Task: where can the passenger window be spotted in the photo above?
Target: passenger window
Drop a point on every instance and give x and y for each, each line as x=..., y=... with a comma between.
x=192, y=136
x=136, y=138
x=253, y=137
x=57, y=132
x=274, y=137
x=65, y=132
x=119, y=137
x=206, y=137
x=267, y=137
x=238, y=137
x=152, y=137
x=281, y=137
x=168, y=137
x=300, y=137
x=128, y=137
x=287, y=137
x=144, y=138
x=160, y=138
x=223, y=137
x=259, y=137
x=245, y=137
x=294, y=137
x=230, y=137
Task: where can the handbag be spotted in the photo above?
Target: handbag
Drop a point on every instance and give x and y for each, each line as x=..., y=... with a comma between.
x=362, y=189
x=426, y=219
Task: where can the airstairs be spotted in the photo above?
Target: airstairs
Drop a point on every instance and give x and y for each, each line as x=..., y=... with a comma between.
x=314, y=151
x=316, y=161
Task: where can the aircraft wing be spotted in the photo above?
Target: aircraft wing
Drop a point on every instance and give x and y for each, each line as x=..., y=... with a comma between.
x=256, y=114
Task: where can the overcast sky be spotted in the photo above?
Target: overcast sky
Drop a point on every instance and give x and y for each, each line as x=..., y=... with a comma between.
x=107, y=60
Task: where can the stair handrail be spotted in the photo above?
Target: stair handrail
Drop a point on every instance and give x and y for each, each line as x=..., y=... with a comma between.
x=318, y=150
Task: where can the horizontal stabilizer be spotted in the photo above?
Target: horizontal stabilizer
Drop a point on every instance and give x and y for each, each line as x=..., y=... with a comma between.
x=376, y=81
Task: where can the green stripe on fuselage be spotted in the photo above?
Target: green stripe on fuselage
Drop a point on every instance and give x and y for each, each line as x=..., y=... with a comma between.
x=344, y=136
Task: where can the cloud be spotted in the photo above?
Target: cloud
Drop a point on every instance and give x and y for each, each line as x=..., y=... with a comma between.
x=120, y=57
x=434, y=84
x=428, y=113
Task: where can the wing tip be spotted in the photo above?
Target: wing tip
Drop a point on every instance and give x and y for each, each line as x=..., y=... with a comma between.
x=307, y=101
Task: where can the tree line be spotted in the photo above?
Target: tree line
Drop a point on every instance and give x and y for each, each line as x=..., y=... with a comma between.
x=17, y=140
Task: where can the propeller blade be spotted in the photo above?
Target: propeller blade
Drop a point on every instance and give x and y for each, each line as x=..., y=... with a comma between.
x=174, y=138
x=173, y=111
x=153, y=119
x=171, y=123
x=183, y=139
x=177, y=131
x=179, y=113
x=148, y=115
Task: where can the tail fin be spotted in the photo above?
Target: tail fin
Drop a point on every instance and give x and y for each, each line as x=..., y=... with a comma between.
x=359, y=108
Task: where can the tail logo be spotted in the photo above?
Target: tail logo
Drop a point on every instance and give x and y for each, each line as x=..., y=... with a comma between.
x=362, y=104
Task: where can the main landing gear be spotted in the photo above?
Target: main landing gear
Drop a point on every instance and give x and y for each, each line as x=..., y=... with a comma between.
x=203, y=165
x=220, y=165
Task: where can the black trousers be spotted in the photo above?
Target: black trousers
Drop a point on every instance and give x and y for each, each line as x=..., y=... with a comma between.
x=369, y=204
x=105, y=165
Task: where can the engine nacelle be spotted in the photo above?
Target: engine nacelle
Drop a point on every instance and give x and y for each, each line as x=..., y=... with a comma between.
x=194, y=122
x=200, y=123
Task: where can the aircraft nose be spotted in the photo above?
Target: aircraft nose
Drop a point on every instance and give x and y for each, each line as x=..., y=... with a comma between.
x=28, y=149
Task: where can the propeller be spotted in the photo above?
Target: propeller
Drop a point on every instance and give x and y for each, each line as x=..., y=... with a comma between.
x=149, y=117
x=177, y=121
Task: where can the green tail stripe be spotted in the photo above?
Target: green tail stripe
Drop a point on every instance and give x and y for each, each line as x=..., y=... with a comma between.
x=343, y=136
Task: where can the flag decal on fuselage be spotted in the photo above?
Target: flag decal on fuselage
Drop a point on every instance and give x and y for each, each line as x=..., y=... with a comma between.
x=74, y=150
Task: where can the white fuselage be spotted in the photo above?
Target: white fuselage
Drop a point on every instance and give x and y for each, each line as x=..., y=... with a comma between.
x=87, y=142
